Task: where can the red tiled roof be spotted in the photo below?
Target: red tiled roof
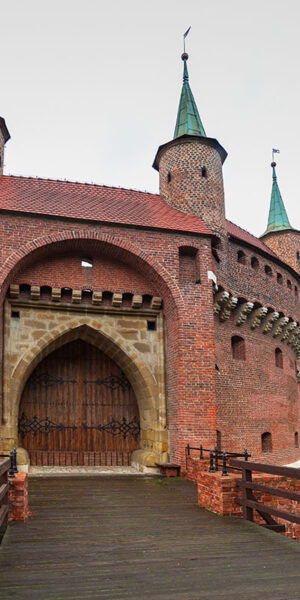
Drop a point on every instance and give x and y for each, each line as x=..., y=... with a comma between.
x=93, y=202
x=247, y=237
x=105, y=204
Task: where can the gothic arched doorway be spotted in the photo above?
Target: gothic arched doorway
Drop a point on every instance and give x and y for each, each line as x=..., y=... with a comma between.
x=78, y=408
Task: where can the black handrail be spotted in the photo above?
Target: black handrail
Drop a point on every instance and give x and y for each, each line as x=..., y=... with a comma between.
x=215, y=455
x=13, y=461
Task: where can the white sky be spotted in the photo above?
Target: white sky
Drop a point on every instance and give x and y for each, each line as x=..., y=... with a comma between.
x=90, y=89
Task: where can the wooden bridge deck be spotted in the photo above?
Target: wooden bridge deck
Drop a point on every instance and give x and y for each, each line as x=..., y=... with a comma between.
x=139, y=538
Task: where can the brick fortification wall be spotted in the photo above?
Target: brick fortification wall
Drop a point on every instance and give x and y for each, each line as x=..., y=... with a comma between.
x=254, y=394
x=170, y=265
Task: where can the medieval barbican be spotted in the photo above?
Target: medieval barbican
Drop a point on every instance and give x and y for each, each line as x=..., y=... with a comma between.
x=136, y=323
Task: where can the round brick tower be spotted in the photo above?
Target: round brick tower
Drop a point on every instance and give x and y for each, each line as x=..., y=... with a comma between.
x=190, y=166
x=280, y=236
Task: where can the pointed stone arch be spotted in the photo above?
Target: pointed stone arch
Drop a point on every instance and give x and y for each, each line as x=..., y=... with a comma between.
x=148, y=392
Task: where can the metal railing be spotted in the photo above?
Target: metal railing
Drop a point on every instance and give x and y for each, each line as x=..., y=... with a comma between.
x=217, y=459
x=4, y=486
x=250, y=503
x=13, y=461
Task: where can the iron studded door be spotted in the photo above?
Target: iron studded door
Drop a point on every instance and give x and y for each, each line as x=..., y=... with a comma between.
x=78, y=408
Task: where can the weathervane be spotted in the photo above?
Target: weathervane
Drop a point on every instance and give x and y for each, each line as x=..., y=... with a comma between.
x=274, y=151
x=184, y=36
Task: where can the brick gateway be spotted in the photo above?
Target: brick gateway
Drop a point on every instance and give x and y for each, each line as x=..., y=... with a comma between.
x=201, y=317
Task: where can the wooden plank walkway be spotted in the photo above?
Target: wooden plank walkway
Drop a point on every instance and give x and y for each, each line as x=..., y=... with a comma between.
x=139, y=538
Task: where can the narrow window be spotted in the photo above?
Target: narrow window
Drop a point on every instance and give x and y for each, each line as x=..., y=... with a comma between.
x=296, y=440
x=66, y=294
x=87, y=262
x=25, y=291
x=298, y=255
x=288, y=283
x=238, y=348
x=278, y=358
x=241, y=257
x=151, y=325
x=188, y=265
x=46, y=292
x=279, y=279
x=169, y=177
x=268, y=270
x=15, y=314
x=204, y=172
x=266, y=442
x=87, y=297
x=254, y=263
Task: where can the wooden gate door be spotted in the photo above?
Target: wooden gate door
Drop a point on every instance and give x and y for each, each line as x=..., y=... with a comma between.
x=78, y=408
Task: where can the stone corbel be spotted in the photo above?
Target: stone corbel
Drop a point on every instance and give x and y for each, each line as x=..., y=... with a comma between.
x=228, y=308
x=294, y=338
x=14, y=290
x=137, y=301
x=76, y=296
x=56, y=294
x=117, y=299
x=97, y=297
x=257, y=316
x=278, y=327
x=288, y=330
x=156, y=303
x=242, y=313
x=219, y=300
x=35, y=292
x=269, y=321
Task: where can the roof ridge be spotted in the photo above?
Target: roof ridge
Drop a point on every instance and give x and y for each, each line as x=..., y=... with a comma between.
x=99, y=185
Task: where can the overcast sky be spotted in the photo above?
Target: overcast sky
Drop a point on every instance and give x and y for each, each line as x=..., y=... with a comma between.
x=90, y=89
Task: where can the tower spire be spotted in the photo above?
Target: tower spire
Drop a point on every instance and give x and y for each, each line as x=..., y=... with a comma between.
x=278, y=219
x=188, y=119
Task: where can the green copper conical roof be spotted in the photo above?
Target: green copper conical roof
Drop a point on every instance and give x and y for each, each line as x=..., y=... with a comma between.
x=188, y=120
x=278, y=219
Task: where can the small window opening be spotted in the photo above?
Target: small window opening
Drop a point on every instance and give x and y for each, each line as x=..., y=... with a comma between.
x=279, y=279
x=296, y=439
x=268, y=270
x=266, y=442
x=151, y=325
x=87, y=262
x=66, y=294
x=204, y=172
x=278, y=358
x=298, y=254
x=15, y=314
x=238, y=348
x=46, y=292
x=87, y=297
x=217, y=368
x=254, y=263
x=241, y=257
x=169, y=177
x=288, y=283
x=215, y=255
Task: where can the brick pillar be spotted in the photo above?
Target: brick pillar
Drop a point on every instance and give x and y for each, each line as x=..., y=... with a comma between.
x=192, y=409
x=18, y=497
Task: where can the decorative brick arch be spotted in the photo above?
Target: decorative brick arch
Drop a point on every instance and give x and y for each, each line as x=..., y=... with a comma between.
x=129, y=251
x=107, y=340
